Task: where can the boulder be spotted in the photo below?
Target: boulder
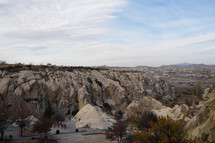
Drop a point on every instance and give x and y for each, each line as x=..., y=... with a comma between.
x=93, y=117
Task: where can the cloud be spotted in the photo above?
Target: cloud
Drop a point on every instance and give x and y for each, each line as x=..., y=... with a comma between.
x=111, y=32
x=33, y=31
x=53, y=19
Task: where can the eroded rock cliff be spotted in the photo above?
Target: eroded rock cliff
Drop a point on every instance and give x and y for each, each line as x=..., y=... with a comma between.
x=68, y=91
x=202, y=126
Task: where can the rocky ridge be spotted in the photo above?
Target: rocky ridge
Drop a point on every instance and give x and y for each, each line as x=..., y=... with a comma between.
x=68, y=91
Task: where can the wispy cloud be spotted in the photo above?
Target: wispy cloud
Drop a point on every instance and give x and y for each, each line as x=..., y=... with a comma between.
x=111, y=32
x=64, y=19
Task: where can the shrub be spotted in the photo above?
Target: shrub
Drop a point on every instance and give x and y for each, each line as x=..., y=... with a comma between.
x=42, y=126
x=130, y=139
x=165, y=130
x=99, y=83
x=89, y=80
x=142, y=120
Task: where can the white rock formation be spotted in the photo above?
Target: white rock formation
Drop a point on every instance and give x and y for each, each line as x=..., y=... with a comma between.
x=93, y=117
x=148, y=103
x=175, y=113
x=32, y=120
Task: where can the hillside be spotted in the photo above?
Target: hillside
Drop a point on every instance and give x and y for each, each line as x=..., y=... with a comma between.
x=68, y=89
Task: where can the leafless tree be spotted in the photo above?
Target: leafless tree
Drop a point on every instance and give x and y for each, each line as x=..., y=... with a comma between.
x=4, y=120
x=42, y=126
x=21, y=112
x=117, y=131
x=4, y=123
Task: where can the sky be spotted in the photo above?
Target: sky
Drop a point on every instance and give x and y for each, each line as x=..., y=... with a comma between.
x=107, y=32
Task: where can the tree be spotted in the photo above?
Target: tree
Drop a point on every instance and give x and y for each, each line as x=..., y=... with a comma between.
x=3, y=124
x=117, y=131
x=42, y=126
x=4, y=120
x=142, y=119
x=165, y=130
x=197, y=90
x=3, y=62
x=21, y=113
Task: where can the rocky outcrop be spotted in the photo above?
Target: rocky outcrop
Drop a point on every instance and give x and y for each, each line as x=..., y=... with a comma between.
x=175, y=113
x=202, y=126
x=207, y=93
x=69, y=91
x=148, y=103
x=93, y=117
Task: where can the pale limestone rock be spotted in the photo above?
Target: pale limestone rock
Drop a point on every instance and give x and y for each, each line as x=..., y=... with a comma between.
x=11, y=89
x=25, y=87
x=28, y=75
x=32, y=120
x=4, y=73
x=184, y=108
x=72, y=91
x=93, y=117
x=207, y=93
x=4, y=83
x=202, y=125
x=18, y=91
x=110, y=102
x=41, y=81
x=20, y=80
x=37, y=77
x=97, y=75
x=83, y=97
x=51, y=84
x=148, y=103
x=39, y=87
x=175, y=113
x=32, y=82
